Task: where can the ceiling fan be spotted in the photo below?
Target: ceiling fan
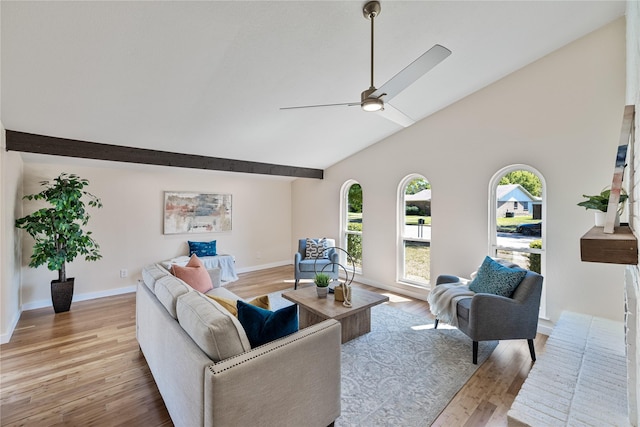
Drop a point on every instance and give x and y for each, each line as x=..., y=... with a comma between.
x=374, y=99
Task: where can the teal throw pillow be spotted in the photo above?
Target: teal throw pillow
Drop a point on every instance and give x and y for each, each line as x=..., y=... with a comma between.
x=202, y=248
x=495, y=278
x=263, y=326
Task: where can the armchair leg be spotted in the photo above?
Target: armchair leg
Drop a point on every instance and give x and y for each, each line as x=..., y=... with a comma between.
x=295, y=286
x=532, y=350
x=475, y=352
x=435, y=324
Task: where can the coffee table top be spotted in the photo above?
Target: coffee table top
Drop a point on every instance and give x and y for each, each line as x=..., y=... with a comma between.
x=328, y=307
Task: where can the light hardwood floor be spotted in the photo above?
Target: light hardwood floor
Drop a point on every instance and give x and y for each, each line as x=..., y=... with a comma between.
x=84, y=367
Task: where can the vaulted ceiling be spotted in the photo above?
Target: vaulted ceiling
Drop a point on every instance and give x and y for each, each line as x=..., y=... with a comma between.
x=209, y=77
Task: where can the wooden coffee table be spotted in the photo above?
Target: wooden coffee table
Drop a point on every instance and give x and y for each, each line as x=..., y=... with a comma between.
x=355, y=320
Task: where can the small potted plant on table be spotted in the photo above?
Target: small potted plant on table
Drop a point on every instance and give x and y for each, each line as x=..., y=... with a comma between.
x=322, y=284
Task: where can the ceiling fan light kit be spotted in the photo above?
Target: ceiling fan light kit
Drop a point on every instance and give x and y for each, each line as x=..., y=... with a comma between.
x=372, y=104
x=369, y=103
x=372, y=99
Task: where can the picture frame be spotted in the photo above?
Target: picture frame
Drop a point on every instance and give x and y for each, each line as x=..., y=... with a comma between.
x=191, y=212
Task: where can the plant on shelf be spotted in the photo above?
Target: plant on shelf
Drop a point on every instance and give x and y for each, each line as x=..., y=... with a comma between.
x=600, y=204
x=322, y=282
x=600, y=201
x=58, y=234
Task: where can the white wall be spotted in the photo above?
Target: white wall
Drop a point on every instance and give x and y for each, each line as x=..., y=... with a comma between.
x=10, y=193
x=633, y=272
x=10, y=209
x=129, y=228
x=560, y=115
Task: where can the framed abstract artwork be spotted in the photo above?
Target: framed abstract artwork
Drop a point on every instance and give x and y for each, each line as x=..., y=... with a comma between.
x=196, y=212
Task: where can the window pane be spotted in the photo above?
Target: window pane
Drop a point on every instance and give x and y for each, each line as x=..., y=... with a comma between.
x=416, y=232
x=353, y=233
x=416, y=261
x=528, y=261
x=354, y=247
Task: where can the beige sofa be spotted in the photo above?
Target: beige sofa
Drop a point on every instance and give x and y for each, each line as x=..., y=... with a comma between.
x=207, y=373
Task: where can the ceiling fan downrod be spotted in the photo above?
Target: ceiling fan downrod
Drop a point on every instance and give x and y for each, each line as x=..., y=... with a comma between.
x=370, y=11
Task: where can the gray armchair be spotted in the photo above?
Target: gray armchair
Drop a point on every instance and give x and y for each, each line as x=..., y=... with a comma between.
x=305, y=268
x=486, y=317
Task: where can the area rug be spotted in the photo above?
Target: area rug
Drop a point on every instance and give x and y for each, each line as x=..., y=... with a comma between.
x=404, y=372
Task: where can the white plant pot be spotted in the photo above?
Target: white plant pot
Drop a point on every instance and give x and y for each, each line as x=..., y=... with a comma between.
x=601, y=218
x=322, y=292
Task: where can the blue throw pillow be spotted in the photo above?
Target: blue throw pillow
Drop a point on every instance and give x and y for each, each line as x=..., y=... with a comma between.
x=263, y=326
x=497, y=279
x=202, y=248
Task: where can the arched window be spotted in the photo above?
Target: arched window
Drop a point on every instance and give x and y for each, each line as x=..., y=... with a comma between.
x=414, y=230
x=517, y=218
x=351, y=221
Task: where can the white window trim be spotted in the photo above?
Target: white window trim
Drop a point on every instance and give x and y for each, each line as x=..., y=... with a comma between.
x=493, y=245
x=400, y=215
x=344, y=221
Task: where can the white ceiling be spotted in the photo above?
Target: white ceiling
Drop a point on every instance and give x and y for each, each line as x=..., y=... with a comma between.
x=209, y=77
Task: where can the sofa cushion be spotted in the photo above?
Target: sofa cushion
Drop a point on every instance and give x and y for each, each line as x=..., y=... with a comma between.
x=231, y=303
x=263, y=326
x=168, y=289
x=194, y=274
x=222, y=292
x=151, y=273
x=311, y=265
x=463, y=307
x=202, y=248
x=495, y=278
x=218, y=334
x=316, y=248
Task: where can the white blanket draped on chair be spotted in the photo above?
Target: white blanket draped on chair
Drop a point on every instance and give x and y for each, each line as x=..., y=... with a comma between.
x=444, y=298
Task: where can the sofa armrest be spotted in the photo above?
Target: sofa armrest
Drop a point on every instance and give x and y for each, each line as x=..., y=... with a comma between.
x=296, y=261
x=445, y=278
x=215, y=274
x=487, y=316
x=294, y=380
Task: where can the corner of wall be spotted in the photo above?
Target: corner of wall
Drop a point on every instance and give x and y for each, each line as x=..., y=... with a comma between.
x=632, y=274
x=10, y=245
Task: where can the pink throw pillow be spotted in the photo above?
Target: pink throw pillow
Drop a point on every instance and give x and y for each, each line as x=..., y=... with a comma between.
x=194, y=274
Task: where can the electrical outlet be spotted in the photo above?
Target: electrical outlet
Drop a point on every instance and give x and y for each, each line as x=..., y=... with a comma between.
x=123, y=273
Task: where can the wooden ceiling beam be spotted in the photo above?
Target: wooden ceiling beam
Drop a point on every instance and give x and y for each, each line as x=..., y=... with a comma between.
x=41, y=144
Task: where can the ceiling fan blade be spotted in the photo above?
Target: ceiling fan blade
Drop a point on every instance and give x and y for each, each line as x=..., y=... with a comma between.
x=412, y=72
x=395, y=115
x=349, y=104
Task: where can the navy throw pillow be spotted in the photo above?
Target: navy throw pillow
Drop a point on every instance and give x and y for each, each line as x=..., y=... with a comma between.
x=497, y=279
x=202, y=248
x=263, y=326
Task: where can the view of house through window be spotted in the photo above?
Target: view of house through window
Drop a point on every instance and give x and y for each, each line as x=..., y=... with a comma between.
x=519, y=218
x=415, y=230
x=353, y=222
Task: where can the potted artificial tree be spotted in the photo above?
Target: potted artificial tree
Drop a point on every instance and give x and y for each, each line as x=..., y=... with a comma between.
x=58, y=234
x=600, y=203
x=322, y=284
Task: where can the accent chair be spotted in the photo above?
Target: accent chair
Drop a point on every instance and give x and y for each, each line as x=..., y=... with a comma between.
x=306, y=267
x=488, y=317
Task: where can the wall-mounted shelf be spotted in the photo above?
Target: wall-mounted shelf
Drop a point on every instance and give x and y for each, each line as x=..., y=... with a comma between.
x=610, y=244
x=620, y=247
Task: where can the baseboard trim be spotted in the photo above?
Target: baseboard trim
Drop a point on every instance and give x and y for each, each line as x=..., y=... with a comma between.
x=262, y=266
x=81, y=297
x=6, y=337
x=418, y=293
